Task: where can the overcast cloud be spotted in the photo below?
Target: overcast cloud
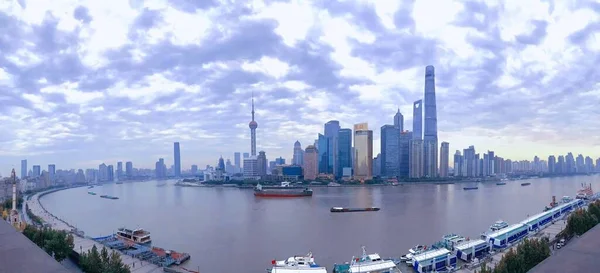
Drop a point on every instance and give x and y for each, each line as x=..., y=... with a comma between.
x=85, y=82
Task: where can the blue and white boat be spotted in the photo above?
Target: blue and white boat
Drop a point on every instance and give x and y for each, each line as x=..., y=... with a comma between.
x=297, y=264
x=498, y=225
x=371, y=263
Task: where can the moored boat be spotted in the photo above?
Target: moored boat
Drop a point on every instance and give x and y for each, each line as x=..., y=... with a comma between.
x=282, y=192
x=297, y=264
x=370, y=263
x=501, y=183
x=470, y=188
x=525, y=184
x=340, y=209
x=137, y=236
x=498, y=225
x=91, y=193
x=585, y=192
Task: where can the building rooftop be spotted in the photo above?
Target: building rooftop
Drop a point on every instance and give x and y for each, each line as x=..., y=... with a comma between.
x=19, y=254
x=579, y=255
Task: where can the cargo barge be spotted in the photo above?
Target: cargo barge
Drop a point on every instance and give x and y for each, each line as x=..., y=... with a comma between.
x=340, y=209
x=109, y=197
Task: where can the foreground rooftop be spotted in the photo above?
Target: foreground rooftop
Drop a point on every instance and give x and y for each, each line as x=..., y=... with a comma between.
x=19, y=254
x=579, y=255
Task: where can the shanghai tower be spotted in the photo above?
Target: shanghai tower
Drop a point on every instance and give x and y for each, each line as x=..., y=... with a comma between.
x=430, y=137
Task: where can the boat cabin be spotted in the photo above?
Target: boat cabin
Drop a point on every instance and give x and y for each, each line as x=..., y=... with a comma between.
x=138, y=236
x=472, y=249
x=434, y=260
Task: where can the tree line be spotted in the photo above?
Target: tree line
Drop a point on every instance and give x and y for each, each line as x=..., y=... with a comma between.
x=580, y=221
x=102, y=262
x=528, y=254
x=57, y=244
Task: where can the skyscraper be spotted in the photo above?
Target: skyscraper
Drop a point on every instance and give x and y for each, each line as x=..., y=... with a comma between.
x=110, y=170
x=261, y=163
x=119, y=169
x=51, y=171
x=311, y=162
x=246, y=155
x=430, y=138
x=418, y=119
x=253, y=125
x=405, y=141
x=128, y=169
x=331, y=130
x=23, y=168
x=36, y=170
x=344, y=151
x=177, y=156
x=237, y=161
x=390, y=151
x=444, y=159
x=363, y=149
x=298, y=154
x=416, y=158
x=399, y=121
x=323, y=147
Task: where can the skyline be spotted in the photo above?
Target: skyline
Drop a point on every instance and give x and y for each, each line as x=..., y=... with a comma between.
x=124, y=98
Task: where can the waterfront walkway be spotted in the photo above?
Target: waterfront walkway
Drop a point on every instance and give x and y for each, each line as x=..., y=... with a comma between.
x=83, y=244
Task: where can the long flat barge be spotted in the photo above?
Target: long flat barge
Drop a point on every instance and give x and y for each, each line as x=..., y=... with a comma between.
x=340, y=209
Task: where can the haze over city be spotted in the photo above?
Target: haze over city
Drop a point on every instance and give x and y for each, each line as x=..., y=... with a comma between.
x=122, y=80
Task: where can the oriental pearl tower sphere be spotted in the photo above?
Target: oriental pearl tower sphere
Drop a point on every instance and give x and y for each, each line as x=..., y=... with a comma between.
x=253, y=125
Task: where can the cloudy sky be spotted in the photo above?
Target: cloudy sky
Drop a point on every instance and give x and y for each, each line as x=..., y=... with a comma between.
x=85, y=82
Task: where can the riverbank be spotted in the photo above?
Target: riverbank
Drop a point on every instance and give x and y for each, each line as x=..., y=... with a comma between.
x=82, y=243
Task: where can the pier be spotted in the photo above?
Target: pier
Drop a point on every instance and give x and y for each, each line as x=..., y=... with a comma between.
x=82, y=244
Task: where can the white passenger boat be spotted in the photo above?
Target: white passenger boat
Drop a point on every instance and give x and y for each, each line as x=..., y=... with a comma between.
x=297, y=264
x=371, y=263
x=137, y=236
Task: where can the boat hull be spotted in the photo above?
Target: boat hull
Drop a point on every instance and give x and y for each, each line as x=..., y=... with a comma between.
x=353, y=209
x=470, y=188
x=282, y=193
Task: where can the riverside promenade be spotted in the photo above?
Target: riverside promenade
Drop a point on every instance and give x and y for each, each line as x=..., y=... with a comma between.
x=83, y=244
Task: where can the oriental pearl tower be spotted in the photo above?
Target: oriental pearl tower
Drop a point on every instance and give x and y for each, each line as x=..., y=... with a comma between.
x=253, y=125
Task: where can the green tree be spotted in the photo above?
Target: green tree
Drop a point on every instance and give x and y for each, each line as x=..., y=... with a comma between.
x=57, y=244
x=102, y=262
x=484, y=269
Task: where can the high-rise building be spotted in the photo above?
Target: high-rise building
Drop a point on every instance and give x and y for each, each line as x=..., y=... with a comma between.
x=444, y=159
x=251, y=168
x=110, y=171
x=430, y=136
x=246, y=155
x=331, y=130
x=405, y=140
x=491, y=164
x=399, y=121
x=119, y=170
x=297, y=159
x=23, y=168
x=470, y=164
x=237, y=161
x=323, y=147
x=177, y=157
x=418, y=119
x=51, y=172
x=458, y=164
x=376, y=165
x=221, y=164
x=389, y=161
x=344, y=151
x=416, y=158
x=551, y=164
x=129, y=169
x=37, y=171
x=102, y=173
x=363, y=149
x=261, y=163
x=280, y=161
x=253, y=125
x=194, y=169
x=311, y=162
x=161, y=168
